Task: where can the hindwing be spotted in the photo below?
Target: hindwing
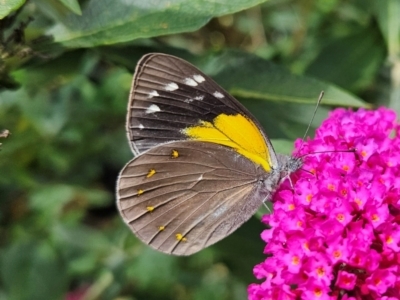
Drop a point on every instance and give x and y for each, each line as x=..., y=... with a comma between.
x=181, y=197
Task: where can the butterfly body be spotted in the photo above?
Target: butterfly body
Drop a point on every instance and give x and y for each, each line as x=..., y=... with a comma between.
x=203, y=166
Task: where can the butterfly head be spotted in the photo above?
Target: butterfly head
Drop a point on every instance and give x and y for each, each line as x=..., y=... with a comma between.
x=288, y=164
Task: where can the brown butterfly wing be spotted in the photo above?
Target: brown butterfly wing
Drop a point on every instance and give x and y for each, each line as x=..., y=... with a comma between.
x=181, y=197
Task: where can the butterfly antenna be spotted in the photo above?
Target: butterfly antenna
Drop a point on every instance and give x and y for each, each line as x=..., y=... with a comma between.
x=352, y=150
x=265, y=204
x=321, y=95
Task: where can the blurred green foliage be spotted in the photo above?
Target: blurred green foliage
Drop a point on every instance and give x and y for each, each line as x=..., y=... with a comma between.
x=65, y=74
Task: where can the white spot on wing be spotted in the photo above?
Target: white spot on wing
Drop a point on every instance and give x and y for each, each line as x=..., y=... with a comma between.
x=218, y=95
x=220, y=210
x=199, y=78
x=141, y=126
x=188, y=100
x=190, y=81
x=199, y=98
x=153, y=94
x=200, y=177
x=152, y=109
x=172, y=86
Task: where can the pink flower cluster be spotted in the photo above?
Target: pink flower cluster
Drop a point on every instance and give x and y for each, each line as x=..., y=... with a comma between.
x=336, y=233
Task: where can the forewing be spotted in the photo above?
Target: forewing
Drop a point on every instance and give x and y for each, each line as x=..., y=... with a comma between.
x=181, y=197
x=169, y=94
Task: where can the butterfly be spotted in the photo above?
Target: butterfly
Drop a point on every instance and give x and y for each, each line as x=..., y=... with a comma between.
x=203, y=164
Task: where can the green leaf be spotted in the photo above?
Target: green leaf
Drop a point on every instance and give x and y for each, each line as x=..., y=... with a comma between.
x=153, y=269
x=81, y=237
x=51, y=199
x=350, y=62
x=283, y=146
x=387, y=13
x=109, y=22
x=248, y=76
x=249, y=252
x=73, y=5
x=8, y=6
x=285, y=120
x=44, y=110
x=32, y=270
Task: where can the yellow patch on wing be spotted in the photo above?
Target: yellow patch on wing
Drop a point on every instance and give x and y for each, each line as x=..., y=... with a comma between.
x=237, y=132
